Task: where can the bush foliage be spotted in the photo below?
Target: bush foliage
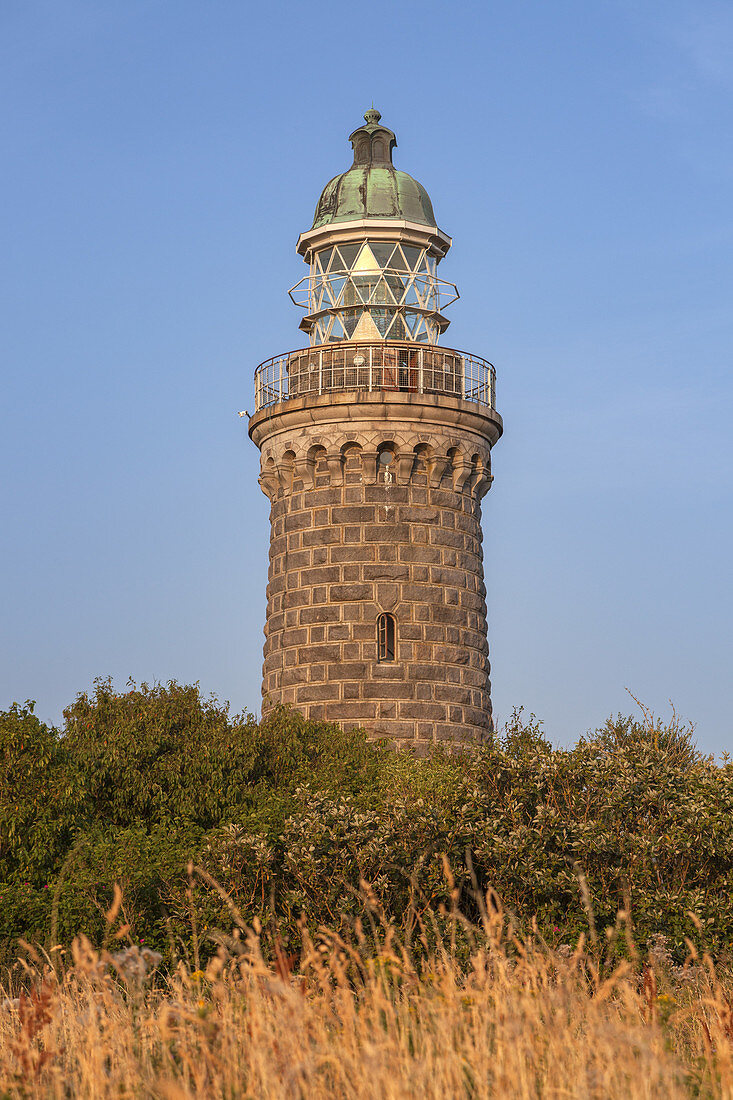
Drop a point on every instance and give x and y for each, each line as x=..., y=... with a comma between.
x=289, y=816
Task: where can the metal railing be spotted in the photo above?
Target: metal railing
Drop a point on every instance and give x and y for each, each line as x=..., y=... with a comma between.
x=389, y=365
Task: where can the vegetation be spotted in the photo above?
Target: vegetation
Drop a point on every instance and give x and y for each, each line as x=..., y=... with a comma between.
x=194, y=904
x=290, y=816
x=357, y=1015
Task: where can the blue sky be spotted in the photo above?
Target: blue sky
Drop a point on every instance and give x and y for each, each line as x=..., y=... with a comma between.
x=161, y=160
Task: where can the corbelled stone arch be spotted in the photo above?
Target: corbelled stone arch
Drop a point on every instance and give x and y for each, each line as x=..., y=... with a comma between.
x=269, y=481
x=460, y=466
x=423, y=461
x=387, y=456
x=480, y=481
x=352, y=462
x=286, y=471
x=312, y=463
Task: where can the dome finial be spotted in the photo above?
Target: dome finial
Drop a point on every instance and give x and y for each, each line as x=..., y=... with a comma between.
x=372, y=116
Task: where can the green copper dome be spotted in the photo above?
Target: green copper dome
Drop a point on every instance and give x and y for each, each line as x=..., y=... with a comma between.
x=372, y=187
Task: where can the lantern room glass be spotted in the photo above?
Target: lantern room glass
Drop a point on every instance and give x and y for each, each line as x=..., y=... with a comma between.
x=373, y=290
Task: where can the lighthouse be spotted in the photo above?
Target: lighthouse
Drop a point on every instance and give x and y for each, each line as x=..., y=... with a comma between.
x=375, y=444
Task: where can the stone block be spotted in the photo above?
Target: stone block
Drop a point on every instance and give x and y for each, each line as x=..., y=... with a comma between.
x=340, y=593
x=299, y=521
x=294, y=675
x=403, y=734
x=387, y=596
x=432, y=712
x=275, y=623
x=312, y=654
x=358, y=709
x=339, y=632
x=353, y=513
x=417, y=592
x=446, y=498
x=353, y=553
x=322, y=574
x=388, y=689
x=386, y=494
x=475, y=717
x=314, y=693
x=439, y=536
x=445, y=575
x=411, y=632
x=425, y=555
x=321, y=536
x=474, y=677
x=445, y=614
x=425, y=671
x=451, y=655
x=322, y=497
x=278, y=546
x=297, y=597
x=328, y=613
x=388, y=552
x=472, y=600
x=347, y=670
x=382, y=532
x=386, y=670
x=410, y=513
x=299, y=559
x=453, y=693
x=386, y=571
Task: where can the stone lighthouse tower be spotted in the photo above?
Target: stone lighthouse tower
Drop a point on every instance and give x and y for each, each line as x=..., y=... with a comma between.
x=376, y=452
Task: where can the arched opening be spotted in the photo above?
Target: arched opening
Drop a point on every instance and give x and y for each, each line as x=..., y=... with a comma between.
x=386, y=637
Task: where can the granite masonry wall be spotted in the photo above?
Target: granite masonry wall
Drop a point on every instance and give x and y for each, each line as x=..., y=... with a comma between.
x=373, y=521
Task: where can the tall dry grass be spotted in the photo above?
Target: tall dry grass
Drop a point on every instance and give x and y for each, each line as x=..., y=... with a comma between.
x=483, y=1013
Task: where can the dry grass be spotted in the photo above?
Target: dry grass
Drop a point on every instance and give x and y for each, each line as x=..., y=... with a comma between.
x=357, y=1017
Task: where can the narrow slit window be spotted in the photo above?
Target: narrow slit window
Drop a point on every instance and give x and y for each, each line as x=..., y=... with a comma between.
x=386, y=631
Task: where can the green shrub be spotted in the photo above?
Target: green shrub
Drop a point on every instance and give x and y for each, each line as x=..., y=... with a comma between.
x=289, y=816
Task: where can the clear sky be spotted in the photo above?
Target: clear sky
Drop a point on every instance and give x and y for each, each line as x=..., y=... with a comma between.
x=160, y=160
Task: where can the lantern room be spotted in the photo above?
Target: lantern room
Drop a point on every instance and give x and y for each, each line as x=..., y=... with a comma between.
x=373, y=253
